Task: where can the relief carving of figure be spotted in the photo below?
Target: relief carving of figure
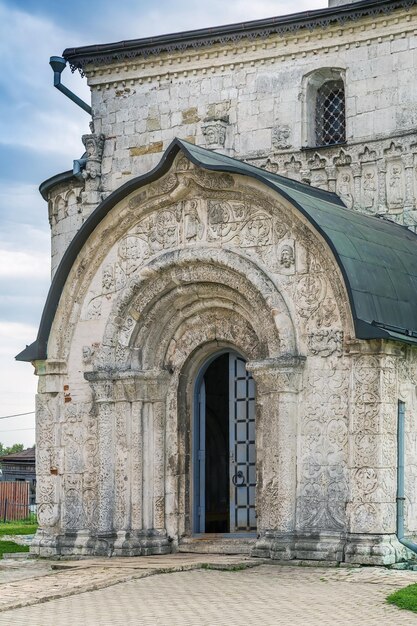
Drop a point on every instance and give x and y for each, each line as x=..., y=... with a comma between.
x=107, y=280
x=281, y=137
x=326, y=342
x=193, y=226
x=287, y=259
x=344, y=189
x=215, y=132
x=311, y=290
x=395, y=187
x=94, y=145
x=88, y=353
x=369, y=190
x=319, y=180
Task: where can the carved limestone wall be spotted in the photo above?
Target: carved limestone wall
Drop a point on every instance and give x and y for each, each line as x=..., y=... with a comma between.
x=71, y=202
x=407, y=382
x=190, y=264
x=65, y=218
x=375, y=177
x=247, y=98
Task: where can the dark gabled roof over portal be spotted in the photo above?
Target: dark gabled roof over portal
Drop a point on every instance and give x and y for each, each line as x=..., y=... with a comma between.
x=377, y=258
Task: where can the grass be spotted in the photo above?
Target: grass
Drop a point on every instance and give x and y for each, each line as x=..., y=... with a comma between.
x=18, y=528
x=405, y=598
x=11, y=546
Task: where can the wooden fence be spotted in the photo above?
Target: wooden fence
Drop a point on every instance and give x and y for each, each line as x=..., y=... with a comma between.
x=14, y=500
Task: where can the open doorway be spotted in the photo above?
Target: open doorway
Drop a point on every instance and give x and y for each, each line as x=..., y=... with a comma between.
x=224, y=447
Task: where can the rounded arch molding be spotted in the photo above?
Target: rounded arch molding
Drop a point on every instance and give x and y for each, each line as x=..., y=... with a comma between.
x=186, y=298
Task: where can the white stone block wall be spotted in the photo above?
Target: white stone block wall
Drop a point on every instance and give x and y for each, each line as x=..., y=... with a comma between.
x=256, y=89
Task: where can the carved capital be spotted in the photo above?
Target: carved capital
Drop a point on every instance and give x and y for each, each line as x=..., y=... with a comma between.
x=278, y=375
x=214, y=132
x=281, y=137
x=129, y=386
x=94, y=145
x=51, y=375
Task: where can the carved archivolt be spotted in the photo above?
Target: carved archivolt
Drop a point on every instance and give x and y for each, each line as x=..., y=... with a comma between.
x=180, y=297
x=193, y=217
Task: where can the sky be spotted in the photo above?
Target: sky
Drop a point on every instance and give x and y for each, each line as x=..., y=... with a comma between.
x=40, y=135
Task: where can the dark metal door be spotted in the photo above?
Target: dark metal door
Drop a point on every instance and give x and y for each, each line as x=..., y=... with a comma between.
x=201, y=459
x=242, y=446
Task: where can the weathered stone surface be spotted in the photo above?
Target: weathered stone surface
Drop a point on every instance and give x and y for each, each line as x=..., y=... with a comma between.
x=197, y=262
x=150, y=148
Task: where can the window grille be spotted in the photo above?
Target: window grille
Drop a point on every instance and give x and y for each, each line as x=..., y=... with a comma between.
x=330, y=114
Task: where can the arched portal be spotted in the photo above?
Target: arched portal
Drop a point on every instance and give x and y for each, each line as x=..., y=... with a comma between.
x=224, y=447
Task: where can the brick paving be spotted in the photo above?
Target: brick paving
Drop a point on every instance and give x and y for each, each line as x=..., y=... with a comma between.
x=264, y=595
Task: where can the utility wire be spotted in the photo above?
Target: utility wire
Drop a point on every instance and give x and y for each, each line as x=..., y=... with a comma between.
x=5, y=417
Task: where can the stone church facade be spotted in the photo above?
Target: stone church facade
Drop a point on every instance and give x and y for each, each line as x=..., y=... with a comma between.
x=231, y=330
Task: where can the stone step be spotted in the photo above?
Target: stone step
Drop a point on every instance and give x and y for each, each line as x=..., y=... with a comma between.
x=217, y=545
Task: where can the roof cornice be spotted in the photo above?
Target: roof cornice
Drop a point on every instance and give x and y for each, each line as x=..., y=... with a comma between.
x=58, y=179
x=102, y=54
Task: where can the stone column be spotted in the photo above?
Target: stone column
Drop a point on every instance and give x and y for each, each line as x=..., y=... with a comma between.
x=136, y=467
x=409, y=202
x=49, y=470
x=373, y=456
x=152, y=387
x=382, y=186
x=131, y=409
x=106, y=464
x=103, y=398
x=357, y=174
x=278, y=383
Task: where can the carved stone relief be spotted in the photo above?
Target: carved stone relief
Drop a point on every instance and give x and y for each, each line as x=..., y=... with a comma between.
x=375, y=178
x=94, y=145
x=324, y=462
x=344, y=187
x=214, y=132
x=281, y=137
x=369, y=188
x=215, y=265
x=326, y=342
x=320, y=180
x=395, y=185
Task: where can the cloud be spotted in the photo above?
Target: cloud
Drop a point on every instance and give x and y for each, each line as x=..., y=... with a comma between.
x=129, y=21
x=19, y=264
x=13, y=336
x=36, y=116
x=63, y=134
x=17, y=384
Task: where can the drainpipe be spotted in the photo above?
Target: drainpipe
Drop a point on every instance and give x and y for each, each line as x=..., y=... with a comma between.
x=58, y=65
x=400, y=479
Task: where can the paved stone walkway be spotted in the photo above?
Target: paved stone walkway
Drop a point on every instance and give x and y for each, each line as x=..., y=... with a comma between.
x=265, y=595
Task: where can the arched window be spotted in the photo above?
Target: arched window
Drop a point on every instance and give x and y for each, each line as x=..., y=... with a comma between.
x=330, y=118
x=324, y=109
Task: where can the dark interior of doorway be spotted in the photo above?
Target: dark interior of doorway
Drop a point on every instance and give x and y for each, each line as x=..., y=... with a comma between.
x=217, y=507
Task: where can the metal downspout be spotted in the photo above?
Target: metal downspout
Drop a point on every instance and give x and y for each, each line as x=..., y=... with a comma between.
x=58, y=65
x=400, y=479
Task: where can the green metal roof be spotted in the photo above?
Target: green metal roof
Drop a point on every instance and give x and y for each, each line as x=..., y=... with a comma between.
x=377, y=258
